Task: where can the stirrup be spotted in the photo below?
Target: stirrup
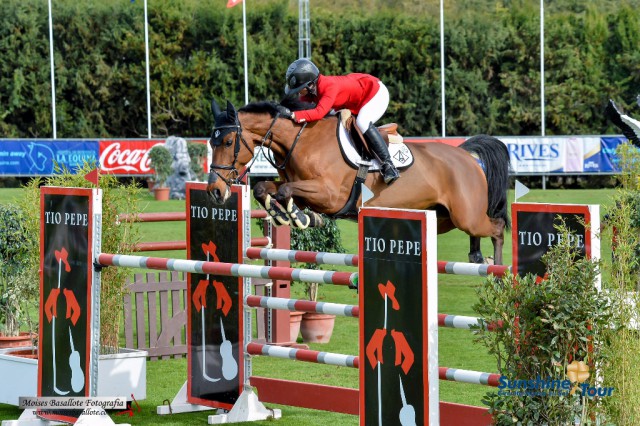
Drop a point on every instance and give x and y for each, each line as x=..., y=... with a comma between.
x=389, y=173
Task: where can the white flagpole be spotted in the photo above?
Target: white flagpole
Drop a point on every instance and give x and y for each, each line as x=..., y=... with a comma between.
x=542, y=118
x=53, y=77
x=146, y=54
x=246, y=69
x=442, y=62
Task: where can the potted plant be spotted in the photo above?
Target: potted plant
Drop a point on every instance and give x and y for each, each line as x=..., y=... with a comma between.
x=121, y=371
x=18, y=294
x=161, y=160
x=198, y=154
x=315, y=327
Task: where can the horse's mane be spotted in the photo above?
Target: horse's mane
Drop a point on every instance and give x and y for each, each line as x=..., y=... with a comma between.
x=295, y=104
x=270, y=107
x=259, y=107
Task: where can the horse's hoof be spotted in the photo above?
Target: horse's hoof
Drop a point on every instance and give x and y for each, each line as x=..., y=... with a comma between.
x=476, y=257
x=298, y=219
x=316, y=220
x=279, y=215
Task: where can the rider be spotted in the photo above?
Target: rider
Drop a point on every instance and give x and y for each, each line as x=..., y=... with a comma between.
x=365, y=95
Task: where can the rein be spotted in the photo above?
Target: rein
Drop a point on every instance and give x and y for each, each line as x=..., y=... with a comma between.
x=269, y=136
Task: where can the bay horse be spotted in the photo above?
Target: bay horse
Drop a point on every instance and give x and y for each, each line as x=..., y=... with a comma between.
x=466, y=185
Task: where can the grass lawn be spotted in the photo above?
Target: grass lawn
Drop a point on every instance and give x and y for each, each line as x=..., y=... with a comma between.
x=456, y=347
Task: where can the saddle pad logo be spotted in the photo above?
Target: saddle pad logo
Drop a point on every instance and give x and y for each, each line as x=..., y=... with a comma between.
x=402, y=155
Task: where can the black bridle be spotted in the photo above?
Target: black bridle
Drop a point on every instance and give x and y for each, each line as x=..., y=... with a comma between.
x=220, y=131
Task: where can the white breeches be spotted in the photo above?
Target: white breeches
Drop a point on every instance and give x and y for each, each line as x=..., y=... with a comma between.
x=374, y=109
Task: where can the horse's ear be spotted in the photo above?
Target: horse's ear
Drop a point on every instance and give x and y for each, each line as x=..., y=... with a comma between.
x=231, y=111
x=215, y=109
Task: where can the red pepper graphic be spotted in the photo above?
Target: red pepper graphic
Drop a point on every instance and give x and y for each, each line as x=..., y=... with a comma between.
x=403, y=350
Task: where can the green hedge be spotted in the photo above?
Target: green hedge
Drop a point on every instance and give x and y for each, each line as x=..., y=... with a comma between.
x=492, y=76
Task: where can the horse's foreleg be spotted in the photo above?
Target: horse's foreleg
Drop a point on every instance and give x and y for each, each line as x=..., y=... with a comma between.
x=299, y=219
x=263, y=192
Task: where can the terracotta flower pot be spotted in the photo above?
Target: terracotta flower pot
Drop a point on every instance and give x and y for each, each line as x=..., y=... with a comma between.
x=161, y=193
x=295, y=319
x=26, y=353
x=23, y=339
x=317, y=328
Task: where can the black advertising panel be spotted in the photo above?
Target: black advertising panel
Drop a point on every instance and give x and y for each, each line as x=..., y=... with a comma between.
x=215, y=353
x=64, y=350
x=534, y=233
x=398, y=325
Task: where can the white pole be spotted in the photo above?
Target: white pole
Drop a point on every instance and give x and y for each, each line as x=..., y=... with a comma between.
x=246, y=70
x=53, y=77
x=146, y=54
x=542, y=113
x=442, y=62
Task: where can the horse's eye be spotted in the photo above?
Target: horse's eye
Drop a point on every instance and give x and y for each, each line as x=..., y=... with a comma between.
x=229, y=142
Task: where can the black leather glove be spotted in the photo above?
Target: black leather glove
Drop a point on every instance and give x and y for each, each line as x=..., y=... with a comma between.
x=285, y=112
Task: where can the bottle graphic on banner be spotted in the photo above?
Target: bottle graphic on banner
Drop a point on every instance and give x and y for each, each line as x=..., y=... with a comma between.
x=574, y=155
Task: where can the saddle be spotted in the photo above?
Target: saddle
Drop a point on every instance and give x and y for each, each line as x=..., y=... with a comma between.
x=355, y=150
x=356, y=153
x=389, y=132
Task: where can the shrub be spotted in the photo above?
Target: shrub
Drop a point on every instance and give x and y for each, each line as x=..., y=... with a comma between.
x=118, y=236
x=17, y=293
x=547, y=325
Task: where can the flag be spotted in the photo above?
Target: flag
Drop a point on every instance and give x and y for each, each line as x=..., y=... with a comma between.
x=521, y=190
x=231, y=3
x=366, y=193
x=92, y=176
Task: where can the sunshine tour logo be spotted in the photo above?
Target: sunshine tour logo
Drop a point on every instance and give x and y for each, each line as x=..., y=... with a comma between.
x=575, y=384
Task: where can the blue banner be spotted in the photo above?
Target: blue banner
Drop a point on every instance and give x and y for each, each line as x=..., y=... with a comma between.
x=609, y=161
x=36, y=157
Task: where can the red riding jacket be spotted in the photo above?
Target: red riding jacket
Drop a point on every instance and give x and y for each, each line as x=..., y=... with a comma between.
x=351, y=91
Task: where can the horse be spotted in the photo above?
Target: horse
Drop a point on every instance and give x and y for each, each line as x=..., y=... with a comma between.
x=465, y=185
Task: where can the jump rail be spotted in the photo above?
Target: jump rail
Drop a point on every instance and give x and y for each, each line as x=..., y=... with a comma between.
x=339, y=259
x=228, y=269
x=182, y=245
x=329, y=358
x=444, y=320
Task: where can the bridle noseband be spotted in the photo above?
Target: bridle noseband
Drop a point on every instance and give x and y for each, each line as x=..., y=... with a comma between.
x=233, y=177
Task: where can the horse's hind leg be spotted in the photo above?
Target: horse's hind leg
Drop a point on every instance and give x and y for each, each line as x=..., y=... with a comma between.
x=264, y=193
x=475, y=254
x=498, y=239
x=482, y=226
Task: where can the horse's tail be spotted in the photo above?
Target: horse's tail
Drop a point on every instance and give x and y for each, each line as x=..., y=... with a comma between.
x=494, y=160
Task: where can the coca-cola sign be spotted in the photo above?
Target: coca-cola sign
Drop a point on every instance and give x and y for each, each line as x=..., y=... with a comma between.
x=126, y=157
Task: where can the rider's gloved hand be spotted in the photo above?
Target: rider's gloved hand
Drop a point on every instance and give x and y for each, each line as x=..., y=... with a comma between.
x=286, y=112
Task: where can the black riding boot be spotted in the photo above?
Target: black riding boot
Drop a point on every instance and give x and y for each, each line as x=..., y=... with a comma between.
x=380, y=150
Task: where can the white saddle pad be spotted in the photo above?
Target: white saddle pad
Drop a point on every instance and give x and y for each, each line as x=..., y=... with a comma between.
x=400, y=154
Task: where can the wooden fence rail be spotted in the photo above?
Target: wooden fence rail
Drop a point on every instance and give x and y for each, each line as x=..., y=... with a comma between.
x=155, y=316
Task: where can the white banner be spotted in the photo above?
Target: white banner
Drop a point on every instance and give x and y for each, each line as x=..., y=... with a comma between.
x=564, y=154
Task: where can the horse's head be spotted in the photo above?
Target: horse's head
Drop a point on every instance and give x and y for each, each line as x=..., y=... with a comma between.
x=229, y=155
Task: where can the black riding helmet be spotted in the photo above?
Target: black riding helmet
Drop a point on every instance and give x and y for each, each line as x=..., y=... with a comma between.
x=300, y=74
